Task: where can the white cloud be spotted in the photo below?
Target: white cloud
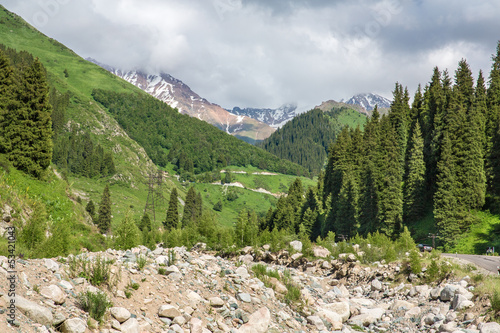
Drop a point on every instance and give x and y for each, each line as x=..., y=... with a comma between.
x=264, y=53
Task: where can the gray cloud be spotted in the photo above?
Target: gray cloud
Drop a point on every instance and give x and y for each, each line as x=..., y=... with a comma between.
x=262, y=53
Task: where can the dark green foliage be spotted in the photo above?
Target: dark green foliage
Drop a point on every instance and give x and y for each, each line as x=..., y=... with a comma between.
x=188, y=216
x=218, y=206
x=104, y=214
x=415, y=262
x=33, y=232
x=127, y=234
x=305, y=139
x=90, y=208
x=227, y=178
x=168, y=136
x=414, y=185
x=346, y=221
x=145, y=224
x=60, y=103
x=96, y=304
x=25, y=115
x=172, y=219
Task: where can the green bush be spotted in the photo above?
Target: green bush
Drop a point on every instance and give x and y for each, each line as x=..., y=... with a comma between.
x=95, y=304
x=97, y=271
x=415, y=262
x=495, y=301
x=141, y=262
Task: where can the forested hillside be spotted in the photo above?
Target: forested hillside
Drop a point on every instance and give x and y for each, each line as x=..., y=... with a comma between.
x=306, y=138
x=192, y=145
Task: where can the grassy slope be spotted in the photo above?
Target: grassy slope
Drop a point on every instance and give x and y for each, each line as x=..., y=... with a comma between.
x=351, y=118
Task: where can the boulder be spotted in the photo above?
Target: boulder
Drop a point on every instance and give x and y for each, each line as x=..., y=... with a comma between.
x=489, y=328
x=54, y=293
x=341, y=308
x=74, y=325
x=120, y=314
x=351, y=258
x=278, y=286
x=330, y=316
x=130, y=326
x=401, y=305
x=244, y=297
x=258, y=322
x=196, y=325
x=320, y=252
x=168, y=311
x=296, y=245
x=51, y=265
x=448, y=292
x=242, y=272
x=216, y=302
x=317, y=322
x=376, y=285
x=35, y=312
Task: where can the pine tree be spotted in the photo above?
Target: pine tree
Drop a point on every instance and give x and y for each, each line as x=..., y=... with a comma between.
x=347, y=213
x=90, y=208
x=188, y=215
x=104, y=214
x=32, y=149
x=9, y=123
x=414, y=185
x=446, y=207
x=172, y=218
x=492, y=134
x=198, y=204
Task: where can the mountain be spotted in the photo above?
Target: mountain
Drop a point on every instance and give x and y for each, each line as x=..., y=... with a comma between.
x=273, y=117
x=178, y=95
x=331, y=104
x=306, y=138
x=368, y=101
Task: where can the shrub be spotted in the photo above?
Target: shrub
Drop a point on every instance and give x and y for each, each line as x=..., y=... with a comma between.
x=97, y=271
x=415, y=262
x=141, y=262
x=432, y=272
x=95, y=304
x=495, y=301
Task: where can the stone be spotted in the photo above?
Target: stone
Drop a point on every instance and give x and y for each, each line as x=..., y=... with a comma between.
x=258, y=322
x=317, y=322
x=296, y=245
x=242, y=272
x=194, y=297
x=74, y=325
x=376, y=285
x=413, y=312
x=341, y=308
x=168, y=311
x=448, y=327
x=51, y=265
x=216, y=302
x=320, y=252
x=35, y=312
x=489, y=328
x=278, y=286
x=120, y=314
x=435, y=293
x=180, y=320
x=329, y=316
x=246, y=258
x=58, y=319
x=244, y=297
x=351, y=258
x=66, y=285
x=171, y=269
x=401, y=305
x=448, y=292
x=54, y=293
x=196, y=325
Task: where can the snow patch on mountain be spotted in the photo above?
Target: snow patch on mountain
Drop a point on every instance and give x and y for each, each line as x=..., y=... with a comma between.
x=368, y=101
x=273, y=117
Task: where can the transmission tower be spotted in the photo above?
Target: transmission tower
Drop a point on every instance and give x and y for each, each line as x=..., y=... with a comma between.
x=155, y=194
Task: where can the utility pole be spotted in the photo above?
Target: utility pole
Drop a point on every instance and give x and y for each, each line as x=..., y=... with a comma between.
x=433, y=236
x=155, y=193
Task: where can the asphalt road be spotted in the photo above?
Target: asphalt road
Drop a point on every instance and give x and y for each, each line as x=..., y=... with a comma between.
x=489, y=263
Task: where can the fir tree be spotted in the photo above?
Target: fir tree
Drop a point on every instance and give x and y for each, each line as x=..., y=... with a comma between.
x=104, y=214
x=145, y=223
x=172, y=219
x=347, y=212
x=189, y=213
x=90, y=208
x=414, y=185
x=9, y=123
x=32, y=149
x=127, y=234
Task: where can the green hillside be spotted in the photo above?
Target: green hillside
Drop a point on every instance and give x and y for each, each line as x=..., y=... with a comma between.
x=306, y=138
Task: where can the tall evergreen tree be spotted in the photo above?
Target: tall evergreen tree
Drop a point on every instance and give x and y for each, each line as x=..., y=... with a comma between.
x=32, y=147
x=347, y=213
x=104, y=214
x=188, y=216
x=9, y=124
x=90, y=208
x=414, y=185
x=492, y=135
x=172, y=218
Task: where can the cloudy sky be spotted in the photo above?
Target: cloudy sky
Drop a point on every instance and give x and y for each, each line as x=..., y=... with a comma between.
x=264, y=53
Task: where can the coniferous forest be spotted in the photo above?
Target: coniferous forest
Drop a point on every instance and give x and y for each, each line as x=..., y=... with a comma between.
x=438, y=156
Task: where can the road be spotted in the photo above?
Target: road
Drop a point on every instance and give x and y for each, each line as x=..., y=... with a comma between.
x=489, y=263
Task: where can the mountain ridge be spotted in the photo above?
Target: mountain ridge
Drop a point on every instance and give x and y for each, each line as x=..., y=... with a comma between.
x=180, y=96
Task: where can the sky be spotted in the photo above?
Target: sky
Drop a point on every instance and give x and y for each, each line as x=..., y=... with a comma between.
x=265, y=53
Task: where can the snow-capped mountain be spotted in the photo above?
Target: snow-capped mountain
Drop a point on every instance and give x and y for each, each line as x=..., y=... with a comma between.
x=178, y=95
x=368, y=101
x=273, y=117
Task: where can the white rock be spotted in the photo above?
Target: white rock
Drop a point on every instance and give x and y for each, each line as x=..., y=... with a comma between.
x=54, y=293
x=242, y=272
x=168, y=311
x=296, y=245
x=194, y=297
x=448, y=292
x=320, y=252
x=74, y=325
x=401, y=304
x=196, y=325
x=216, y=302
x=376, y=285
x=341, y=308
x=489, y=328
x=51, y=265
x=329, y=316
x=35, y=312
x=120, y=314
x=180, y=320
x=258, y=322
x=317, y=322
x=66, y=285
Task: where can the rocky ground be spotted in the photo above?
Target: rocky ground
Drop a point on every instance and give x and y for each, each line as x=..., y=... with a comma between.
x=201, y=292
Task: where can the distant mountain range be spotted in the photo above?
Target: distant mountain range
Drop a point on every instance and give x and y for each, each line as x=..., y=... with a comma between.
x=273, y=117
x=368, y=101
x=179, y=95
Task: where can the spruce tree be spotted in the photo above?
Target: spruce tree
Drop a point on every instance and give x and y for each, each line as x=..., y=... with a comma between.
x=492, y=134
x=347, y=213
x=188, y=215
x=90, y=208
x=415, y=185
x=104, y=214
x=172, y=218
x=9, y=124
x=32, y=150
